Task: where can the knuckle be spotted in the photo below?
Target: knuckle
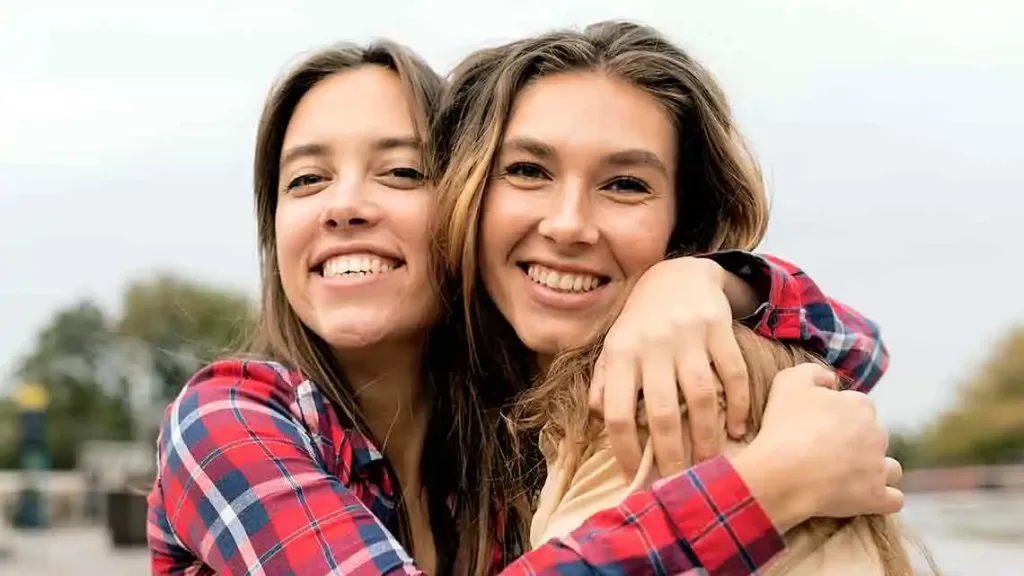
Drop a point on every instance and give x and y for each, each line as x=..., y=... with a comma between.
x=702, y=396
x=733, y=372
x=663, y=422
x=705, y=433
x=659, y=333
x=618, y=422
x=619, y=347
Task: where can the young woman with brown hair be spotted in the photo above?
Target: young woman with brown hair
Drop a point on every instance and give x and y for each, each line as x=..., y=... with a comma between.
x=574, y=162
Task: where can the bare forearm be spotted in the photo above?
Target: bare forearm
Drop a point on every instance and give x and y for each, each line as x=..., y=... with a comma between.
x=741, y=295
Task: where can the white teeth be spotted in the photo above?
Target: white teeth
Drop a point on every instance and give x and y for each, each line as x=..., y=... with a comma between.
x=357, y=264
x=562, y=281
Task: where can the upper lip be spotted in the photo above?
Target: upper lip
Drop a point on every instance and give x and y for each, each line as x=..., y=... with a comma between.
x=564, y=267
x=354, y=248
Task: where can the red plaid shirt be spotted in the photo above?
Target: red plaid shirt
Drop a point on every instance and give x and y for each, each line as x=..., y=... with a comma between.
x=257, y=475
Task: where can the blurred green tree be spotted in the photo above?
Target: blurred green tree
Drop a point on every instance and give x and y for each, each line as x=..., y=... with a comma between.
x=184, y=324
x=70, y=357
x=986, y=424
x=91, y=364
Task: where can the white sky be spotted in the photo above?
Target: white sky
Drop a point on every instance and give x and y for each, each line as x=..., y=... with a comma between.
x=889, y=131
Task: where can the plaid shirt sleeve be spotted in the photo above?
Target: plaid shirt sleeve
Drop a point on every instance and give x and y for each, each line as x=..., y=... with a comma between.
x=704, y=521
x=795, y=309
x=242, y=489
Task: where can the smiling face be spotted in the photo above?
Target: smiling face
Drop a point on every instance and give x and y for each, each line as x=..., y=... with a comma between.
x=352, y=212
x=581, y=202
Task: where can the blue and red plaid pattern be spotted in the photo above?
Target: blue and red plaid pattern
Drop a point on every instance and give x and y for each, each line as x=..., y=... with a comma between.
x=798, y=311
x=257, y=475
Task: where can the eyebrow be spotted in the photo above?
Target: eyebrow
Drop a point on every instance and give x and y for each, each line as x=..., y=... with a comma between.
x=320, y=150
x=530, y=146
x=636, y=157
x=622, y=159
x=315, y=150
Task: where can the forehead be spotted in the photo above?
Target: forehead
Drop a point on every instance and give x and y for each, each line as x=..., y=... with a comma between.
x=364, y=102
x=592, y=112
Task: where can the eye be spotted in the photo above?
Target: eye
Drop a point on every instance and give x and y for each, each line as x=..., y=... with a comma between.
x=628, y=184
x=526, y=170
x=302, y=181
x=407, y=173
x=403, y=178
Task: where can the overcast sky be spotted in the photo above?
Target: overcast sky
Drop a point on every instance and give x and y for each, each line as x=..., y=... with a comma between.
x=889, y=131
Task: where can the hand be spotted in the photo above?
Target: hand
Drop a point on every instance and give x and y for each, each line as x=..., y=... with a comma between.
x=820, y=452
x=674, y=332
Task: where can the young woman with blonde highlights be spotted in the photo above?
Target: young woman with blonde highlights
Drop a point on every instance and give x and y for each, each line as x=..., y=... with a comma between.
x=573, y=163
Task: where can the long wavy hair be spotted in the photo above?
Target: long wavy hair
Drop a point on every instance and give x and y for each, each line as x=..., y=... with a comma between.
x=721, y=200
x=459, y=494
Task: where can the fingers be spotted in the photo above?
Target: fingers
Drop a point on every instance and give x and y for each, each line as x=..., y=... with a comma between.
x=807, y=374
x=700, y=390
x=620, y=412
x=893, y=472
x=661, y=401
x=732, y=370
x=891, y=502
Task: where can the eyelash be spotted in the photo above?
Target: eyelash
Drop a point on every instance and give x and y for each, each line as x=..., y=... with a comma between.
x=304, y=180
x=417, y=175
x=516, y=169
x=299, y=181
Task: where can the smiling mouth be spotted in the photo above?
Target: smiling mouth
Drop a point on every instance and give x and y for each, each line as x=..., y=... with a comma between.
x=357, y=265
x=561, y=281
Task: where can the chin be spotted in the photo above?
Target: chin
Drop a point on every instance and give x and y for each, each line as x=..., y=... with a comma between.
x=354, y=329
x=551, y=343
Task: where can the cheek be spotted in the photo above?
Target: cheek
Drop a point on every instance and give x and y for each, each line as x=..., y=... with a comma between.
x=410, y=217
x=642, y=242
x=503, y=224
x=290, y=232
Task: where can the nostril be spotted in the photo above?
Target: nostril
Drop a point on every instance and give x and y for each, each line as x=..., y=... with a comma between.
x=357, y=221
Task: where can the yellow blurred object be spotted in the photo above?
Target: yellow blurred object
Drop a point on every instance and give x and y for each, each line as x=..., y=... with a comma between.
x=32, y=397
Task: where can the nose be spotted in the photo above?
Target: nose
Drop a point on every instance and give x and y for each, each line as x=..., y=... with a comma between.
x=349, y=205
x=569, y=220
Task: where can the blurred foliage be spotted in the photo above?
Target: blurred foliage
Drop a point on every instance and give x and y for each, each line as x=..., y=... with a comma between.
x=87, y=360
x=184, y=325
x=985, y=425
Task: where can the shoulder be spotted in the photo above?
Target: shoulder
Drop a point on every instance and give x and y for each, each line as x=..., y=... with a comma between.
x=233, y=396
x=255, y=382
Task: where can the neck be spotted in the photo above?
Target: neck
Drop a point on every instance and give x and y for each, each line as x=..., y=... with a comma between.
x=389, y=386
x=544, y=363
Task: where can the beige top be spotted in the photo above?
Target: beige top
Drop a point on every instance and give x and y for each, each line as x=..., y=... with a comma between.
x=565, y=502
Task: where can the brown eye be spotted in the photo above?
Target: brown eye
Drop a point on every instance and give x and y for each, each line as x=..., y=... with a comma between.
x=527, y=170
x=303, y=180
x=628, y=184
x=407, y=174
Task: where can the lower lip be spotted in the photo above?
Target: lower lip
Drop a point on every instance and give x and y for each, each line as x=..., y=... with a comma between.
x=561, y=300
x=344, y=281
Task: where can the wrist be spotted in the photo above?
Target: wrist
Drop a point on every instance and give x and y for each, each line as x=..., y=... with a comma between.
x=741, y=296
x=774, y=488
